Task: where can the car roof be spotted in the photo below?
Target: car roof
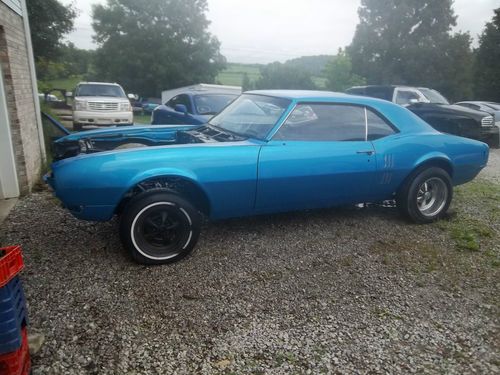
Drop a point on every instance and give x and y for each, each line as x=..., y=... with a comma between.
x=320, y=96
x=207, y=92
x=300, y=94
x=99, y=83
x=391, y=87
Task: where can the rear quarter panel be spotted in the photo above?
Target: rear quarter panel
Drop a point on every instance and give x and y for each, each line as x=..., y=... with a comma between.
x=399, y=155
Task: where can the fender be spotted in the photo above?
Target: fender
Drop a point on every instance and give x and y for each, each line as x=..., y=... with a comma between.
x=433, y=157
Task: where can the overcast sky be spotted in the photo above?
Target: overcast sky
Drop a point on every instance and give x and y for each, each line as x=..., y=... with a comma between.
x=262, y=31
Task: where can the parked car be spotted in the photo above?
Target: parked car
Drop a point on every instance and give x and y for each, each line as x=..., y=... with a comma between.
x=48, y=98
x=489, y=107
x=267, y=152
x=434, y=108
x=100, y=104
x=192, y=107
x=150, y=104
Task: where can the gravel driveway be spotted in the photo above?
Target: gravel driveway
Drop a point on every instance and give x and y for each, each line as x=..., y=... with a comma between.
x=332, y=291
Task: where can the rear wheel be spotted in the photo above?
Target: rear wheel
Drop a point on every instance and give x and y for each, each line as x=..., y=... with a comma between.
x=426, y=196
x=159, y=228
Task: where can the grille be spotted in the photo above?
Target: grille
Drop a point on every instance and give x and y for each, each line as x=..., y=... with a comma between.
x=103, y=106
x=487, y=121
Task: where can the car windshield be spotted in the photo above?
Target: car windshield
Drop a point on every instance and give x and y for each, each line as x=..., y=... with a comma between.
x=251, y=116
x=100, y=90
x=434, y=97
x=212, y=104
x=494, y=106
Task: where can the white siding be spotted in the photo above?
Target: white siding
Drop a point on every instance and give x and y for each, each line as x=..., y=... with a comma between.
x=15, y=5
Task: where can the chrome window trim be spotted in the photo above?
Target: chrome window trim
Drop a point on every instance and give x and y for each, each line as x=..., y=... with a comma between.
x=273, y=133
x=366, y=125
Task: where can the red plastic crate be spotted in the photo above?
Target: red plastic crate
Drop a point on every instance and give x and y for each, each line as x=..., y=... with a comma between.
x=18, y=362
x=11, y=263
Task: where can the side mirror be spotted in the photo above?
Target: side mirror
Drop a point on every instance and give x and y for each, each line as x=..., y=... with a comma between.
x=69, y=94
x=181, y=108
x=414, y=101
x=132, y=96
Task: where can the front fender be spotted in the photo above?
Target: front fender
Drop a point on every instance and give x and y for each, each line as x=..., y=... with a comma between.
x=161, y=172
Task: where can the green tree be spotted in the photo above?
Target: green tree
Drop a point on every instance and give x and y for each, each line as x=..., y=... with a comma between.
x=77, y=61
x=410, y=42
x=487, y=66
x=339, y=75
x=282, y=76
x=152, y=45
x=49, y=22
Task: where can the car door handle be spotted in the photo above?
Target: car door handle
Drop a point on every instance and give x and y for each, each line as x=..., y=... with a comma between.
x=367, y=152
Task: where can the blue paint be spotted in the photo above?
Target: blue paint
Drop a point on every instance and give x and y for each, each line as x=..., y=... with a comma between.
x=253, y=176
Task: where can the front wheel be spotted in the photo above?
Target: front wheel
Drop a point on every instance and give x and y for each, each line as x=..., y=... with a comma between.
x=159, y=228
x=426, y=196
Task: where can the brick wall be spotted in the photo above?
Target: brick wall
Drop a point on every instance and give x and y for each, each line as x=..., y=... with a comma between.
x=20, y=101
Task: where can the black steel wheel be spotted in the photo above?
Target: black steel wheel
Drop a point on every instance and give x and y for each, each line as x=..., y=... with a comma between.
x=159, y=228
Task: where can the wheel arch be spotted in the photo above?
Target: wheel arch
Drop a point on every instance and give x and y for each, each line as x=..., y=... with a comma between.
x=435, y=160
x=183, y=184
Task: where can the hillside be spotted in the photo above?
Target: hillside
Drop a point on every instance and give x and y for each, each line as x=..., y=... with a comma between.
x=233, y=74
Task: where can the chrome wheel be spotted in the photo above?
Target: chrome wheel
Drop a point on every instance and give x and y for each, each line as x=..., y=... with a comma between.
x=432, y=197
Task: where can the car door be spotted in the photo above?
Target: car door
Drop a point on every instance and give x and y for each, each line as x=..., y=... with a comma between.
x=319, y=157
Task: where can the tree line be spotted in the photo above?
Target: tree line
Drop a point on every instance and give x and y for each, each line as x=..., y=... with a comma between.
x=152, y=45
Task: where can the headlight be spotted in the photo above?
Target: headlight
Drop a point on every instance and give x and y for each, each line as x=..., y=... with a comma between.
x=125, y=107
x=80, y=105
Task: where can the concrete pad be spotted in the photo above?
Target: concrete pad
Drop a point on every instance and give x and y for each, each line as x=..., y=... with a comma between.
x=5, y=206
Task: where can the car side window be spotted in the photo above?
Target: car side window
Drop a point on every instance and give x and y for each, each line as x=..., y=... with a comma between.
x=324, y=122
x=180, y=99
x=404, y=97
x=377, y=126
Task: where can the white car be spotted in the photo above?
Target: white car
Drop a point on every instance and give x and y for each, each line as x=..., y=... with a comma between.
x=100, y=104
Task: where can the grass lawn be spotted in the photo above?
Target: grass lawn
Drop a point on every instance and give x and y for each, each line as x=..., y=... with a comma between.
x=140, y=119
x=233, y=74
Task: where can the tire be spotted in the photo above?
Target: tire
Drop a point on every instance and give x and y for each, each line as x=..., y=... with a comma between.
x=426, y=195
x=159, y=228
x=77, y=127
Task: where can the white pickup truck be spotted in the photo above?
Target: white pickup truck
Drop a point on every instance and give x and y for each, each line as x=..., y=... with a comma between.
x=100, y=104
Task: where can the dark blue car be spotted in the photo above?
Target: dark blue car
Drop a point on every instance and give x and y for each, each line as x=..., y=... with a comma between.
x=191, y=108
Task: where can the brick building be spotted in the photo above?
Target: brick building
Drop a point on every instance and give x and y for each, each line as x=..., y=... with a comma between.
x=22, y=150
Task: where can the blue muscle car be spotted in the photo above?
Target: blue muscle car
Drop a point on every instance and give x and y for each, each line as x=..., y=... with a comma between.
x=268, y=151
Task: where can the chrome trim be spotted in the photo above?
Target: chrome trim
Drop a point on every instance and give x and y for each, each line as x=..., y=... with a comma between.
x=272, y=134
x=366, y=125
x=487, y=121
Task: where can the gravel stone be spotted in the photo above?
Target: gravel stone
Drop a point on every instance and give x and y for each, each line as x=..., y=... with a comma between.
x=351, y=290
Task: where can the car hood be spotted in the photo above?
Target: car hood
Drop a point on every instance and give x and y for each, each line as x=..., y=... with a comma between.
x=124, y=131
x=102, y=99
x=448, y=109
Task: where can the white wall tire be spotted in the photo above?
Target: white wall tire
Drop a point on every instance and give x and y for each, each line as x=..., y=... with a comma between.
x=159, y=228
